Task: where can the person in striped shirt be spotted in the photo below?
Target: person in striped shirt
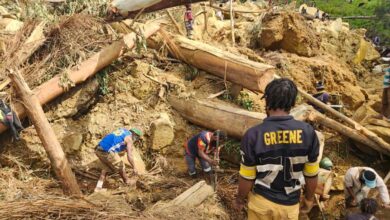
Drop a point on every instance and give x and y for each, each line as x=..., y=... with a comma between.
x=279, y=157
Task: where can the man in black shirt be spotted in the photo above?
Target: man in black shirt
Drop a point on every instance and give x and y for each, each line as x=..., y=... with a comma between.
x=279, y=156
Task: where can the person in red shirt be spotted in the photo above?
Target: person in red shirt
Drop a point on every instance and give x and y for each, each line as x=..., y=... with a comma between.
x=189, y=20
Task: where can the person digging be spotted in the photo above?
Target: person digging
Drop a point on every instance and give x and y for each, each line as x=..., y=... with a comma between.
x=110, y=149
x=200, y=147
x=358, y=182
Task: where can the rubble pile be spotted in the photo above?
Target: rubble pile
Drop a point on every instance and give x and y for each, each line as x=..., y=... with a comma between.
x=134, y=90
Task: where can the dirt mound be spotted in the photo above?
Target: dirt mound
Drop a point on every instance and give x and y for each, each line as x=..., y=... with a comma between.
x=288, y=31
x=349, y=45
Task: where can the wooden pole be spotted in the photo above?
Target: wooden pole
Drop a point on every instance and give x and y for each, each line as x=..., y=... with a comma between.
x=347, y=131
x=46, y=134
x=51, y=89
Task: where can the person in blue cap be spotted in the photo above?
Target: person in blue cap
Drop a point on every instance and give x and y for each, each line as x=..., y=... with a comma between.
x=358, y=181
x=111, y=148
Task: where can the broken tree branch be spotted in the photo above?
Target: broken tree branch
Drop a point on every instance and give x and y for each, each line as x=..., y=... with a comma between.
x=46, y=134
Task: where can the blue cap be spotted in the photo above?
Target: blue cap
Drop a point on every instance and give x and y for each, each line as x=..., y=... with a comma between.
x=369, y=178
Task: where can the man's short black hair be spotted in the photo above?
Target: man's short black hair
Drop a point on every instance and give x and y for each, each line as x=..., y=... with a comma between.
x=368, y=206
x=280, y=94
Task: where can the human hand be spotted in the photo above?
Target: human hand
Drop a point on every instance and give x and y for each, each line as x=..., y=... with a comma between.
x=353, y=202
x=213, y=162
x=307, y=206
x=386, y=206
x=238, y=204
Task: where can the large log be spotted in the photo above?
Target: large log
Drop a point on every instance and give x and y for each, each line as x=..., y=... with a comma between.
x=51, y=89
x=130, y=8
x=236, y=121
x=46, y=134
x=236, y=69
x=215, y=115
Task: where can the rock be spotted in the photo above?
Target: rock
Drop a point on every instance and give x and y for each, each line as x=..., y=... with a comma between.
x=383, y=132
x=162, y=132
x=290, y=32
x=138, y=68
x=362, y=114
x=10, y=25
x=72, y=143
x=352, y=96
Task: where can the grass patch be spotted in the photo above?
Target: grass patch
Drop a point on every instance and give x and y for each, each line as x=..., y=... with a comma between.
x=375, y=27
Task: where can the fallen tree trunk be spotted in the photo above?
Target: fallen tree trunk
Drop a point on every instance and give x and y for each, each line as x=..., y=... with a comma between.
x=236, y=69
x=51, y=89
x=129, y=9
x=347, y=131
x=236, y=121
x=46, y=134
x=194, y=195
x=214, y=115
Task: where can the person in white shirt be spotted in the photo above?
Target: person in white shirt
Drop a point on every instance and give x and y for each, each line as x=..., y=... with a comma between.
x=358, y=181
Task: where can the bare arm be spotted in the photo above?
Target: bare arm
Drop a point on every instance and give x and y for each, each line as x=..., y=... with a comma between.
x=204, y=156
x=244, y=187
x=350, y=191
x=311, y=185
x=129, y=149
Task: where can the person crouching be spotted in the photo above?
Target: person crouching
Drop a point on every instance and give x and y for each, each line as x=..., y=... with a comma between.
x=109, y=149
x=200, y=147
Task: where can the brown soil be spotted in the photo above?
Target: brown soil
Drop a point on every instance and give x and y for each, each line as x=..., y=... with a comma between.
x=306, y=51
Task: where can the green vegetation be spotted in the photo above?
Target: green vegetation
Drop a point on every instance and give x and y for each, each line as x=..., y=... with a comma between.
x=103, y=79
x=52, y=12
x=375, y=27
x=245, y=101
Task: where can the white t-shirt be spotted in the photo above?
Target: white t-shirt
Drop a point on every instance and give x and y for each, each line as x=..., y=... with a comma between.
x=351, y=179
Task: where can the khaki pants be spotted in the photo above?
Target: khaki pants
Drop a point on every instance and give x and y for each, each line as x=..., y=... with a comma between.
x=260, y=208
x=386, y=102
x=111, y=161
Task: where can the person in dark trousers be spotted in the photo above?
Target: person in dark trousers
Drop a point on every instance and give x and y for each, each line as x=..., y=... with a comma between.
x=321, y=95
x=368, y=208
x=200, y=147
x=10, y=119
x=278, y=157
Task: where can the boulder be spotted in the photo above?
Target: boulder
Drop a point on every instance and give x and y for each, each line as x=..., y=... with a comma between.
x=71, y=143
x=162, y=132
x=351, y=95
x=290, y=32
